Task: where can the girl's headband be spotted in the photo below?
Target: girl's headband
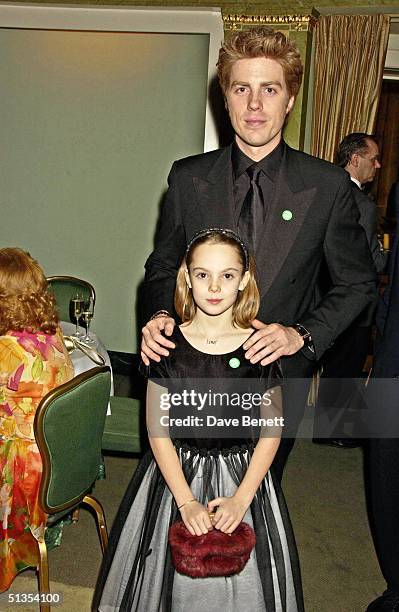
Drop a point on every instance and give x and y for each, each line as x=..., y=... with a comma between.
x=225, y=232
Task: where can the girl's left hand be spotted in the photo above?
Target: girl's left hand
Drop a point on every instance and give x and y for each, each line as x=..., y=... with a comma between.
x=229, y=514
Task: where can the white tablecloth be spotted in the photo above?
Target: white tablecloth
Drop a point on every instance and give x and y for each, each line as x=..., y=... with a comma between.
x=82, y=362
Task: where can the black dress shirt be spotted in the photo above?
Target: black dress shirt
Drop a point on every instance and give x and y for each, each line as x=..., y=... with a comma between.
x=269, y=165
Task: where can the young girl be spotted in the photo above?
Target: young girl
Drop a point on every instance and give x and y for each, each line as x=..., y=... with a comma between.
x=187, y=478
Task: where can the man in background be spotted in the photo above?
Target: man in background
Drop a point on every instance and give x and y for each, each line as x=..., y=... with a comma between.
x=382, y=449
x=391, y=216
x=358, y=154
x=343, y=364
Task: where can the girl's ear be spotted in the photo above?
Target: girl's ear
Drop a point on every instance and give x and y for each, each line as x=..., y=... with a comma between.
x=244, y=281
x=187, y=277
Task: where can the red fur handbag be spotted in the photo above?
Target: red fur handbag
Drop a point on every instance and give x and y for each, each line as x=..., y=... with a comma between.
x=213, y=554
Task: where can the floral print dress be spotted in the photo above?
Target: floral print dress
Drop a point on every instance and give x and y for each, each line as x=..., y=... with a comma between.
x=31, y=364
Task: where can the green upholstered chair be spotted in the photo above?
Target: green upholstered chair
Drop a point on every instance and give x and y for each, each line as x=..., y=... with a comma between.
x=122, y=426
x=68, y=426
x=64, y=288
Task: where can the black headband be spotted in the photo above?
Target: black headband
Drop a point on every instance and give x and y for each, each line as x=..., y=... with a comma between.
x=219, y=230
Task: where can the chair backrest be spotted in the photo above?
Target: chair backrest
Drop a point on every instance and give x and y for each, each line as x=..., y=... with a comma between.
x=68, y=426
x=64, y=288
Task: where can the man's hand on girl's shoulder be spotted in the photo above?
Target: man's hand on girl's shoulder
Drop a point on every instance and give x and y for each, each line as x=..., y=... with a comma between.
x=271, y=342
x=154, y=345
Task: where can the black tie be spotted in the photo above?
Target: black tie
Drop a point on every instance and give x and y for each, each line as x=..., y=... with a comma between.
x=250, y=222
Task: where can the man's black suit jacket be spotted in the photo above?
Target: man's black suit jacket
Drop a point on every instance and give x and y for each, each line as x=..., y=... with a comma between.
x=393, y=203
x=386, y=361
x=324, y=229
x=382, y=417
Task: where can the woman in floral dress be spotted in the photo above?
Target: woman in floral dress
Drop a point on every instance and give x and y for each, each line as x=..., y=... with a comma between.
x=33, y=360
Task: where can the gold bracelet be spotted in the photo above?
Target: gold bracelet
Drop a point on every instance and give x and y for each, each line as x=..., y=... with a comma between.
x=187, y=502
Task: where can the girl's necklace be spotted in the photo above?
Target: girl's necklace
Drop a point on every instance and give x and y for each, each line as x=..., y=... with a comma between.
x=207, y=340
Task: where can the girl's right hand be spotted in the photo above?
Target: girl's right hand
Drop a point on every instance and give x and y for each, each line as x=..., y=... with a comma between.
x=196, y=518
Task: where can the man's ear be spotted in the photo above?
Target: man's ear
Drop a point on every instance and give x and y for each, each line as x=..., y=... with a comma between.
x=187, y=277
x=290, y=104
x=354, y=161
x=244, y=281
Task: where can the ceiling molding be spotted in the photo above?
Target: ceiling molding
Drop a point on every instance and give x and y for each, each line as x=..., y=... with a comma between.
x=297, y=22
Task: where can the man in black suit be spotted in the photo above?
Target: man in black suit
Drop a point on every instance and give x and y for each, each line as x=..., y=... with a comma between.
x=382, y=450
x=343, y=364
x=358, y=153
x=294, y=210
x=393, y=204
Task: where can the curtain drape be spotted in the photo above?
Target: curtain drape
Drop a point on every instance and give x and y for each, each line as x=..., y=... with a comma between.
x=349, y=64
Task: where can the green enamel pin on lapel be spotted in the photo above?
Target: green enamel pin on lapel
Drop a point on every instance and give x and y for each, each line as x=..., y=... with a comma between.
x=287, y=215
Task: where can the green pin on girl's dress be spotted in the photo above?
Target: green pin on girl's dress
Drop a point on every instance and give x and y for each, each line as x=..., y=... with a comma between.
x=234, y=362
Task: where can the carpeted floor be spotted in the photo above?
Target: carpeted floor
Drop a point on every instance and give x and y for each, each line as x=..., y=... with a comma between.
x=324, y=491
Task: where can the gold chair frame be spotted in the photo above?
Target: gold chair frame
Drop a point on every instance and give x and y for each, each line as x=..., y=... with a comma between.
x=84, y=497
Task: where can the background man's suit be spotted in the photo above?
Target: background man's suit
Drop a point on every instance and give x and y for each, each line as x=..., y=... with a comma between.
x=382, y=453
x=324, y=227
x=393, y=203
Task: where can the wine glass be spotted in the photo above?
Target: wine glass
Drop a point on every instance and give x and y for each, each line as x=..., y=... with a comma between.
x=87, y=315
x=76, y=306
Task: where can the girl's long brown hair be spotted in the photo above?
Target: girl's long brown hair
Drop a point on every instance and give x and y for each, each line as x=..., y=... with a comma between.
x=247, y=304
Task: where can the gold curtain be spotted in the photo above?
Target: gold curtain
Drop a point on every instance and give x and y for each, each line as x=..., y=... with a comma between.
x=349, y=64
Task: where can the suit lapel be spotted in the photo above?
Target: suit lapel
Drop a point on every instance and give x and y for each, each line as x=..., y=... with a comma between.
x=288, y=211
x=215, y=193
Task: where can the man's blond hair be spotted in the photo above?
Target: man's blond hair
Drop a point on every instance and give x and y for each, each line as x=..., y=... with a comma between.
x=261, y=42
